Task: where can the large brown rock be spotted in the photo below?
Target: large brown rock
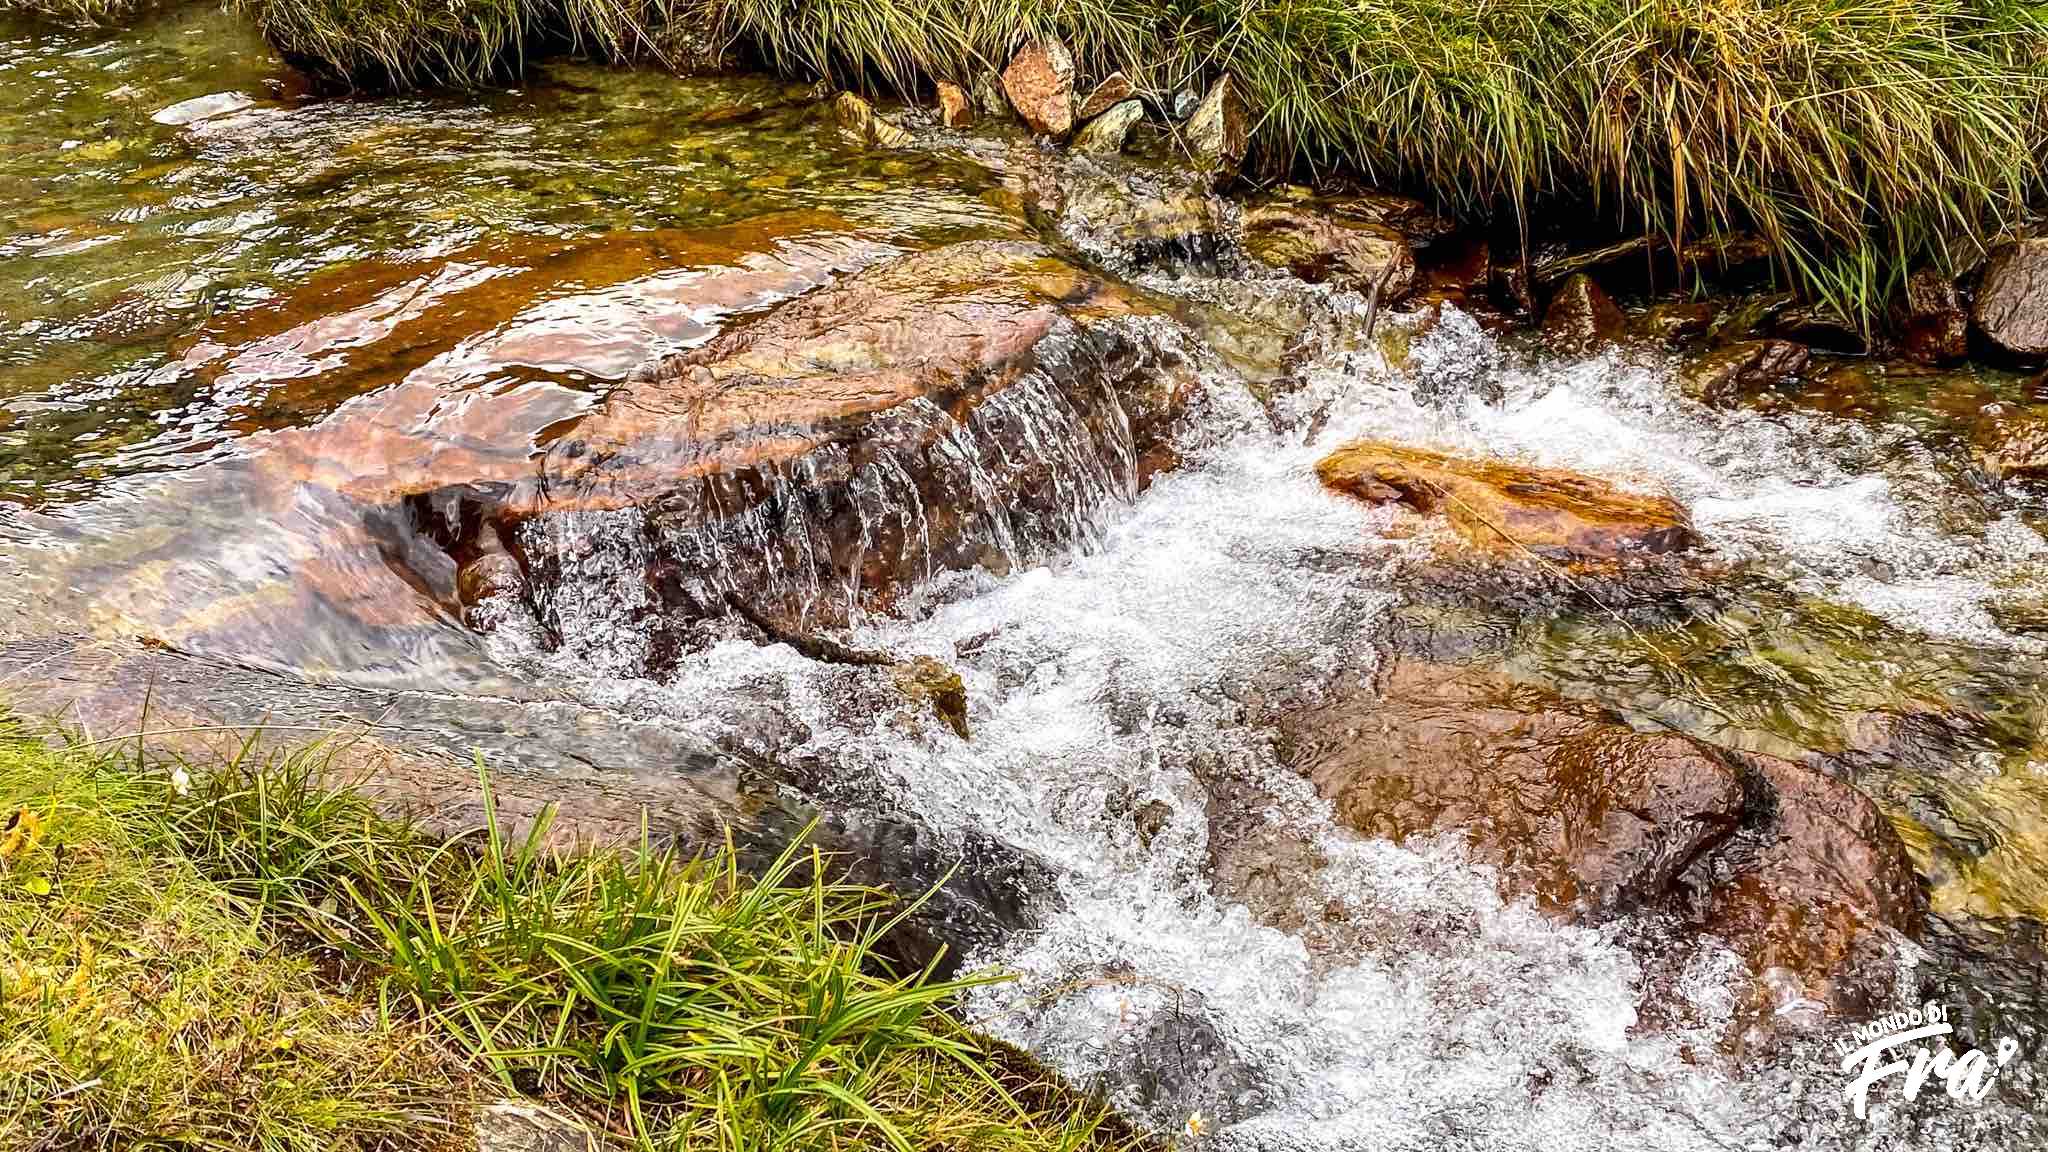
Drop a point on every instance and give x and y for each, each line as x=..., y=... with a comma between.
x=1811, y=883
x=1040, y=85
x=1508, y=508
x=2011, y=309
x=1795, y=870
x=1320, y=248
x=954, y=408
x=1571, y=805
x=1581, y=318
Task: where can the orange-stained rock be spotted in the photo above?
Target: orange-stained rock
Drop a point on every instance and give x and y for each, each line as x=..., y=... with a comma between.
x=1496, y=506
x=956, y=110
x=1040, y=85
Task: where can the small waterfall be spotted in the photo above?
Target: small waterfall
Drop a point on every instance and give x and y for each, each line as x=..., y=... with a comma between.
x=827, y=538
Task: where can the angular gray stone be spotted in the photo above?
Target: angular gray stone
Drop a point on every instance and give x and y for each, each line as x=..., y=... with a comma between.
x=1105, y=135
x=2011, y=309
x=524, y=1126
x=1216, y=132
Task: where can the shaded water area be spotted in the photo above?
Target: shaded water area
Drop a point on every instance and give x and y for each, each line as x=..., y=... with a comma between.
x=335, y=414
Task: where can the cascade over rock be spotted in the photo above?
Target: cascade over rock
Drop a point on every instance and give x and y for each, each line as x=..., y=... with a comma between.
x=965, y=406
x=1324, y=247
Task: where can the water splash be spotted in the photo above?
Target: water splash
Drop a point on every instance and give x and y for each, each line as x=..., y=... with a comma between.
x=1116, y=675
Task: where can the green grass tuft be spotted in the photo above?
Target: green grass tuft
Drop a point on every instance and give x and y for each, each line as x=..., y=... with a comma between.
x=672, y=1002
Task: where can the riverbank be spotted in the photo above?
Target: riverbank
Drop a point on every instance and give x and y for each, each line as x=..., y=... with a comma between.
x=240, y=955
x=1859, y=141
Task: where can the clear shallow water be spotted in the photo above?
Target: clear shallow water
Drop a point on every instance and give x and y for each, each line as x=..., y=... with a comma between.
x=121, y=236
x=169, y=300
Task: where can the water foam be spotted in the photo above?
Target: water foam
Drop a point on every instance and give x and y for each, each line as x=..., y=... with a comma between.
x=1114, y=681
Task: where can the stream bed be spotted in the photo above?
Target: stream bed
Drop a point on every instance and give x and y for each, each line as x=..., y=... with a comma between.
x=218, y=292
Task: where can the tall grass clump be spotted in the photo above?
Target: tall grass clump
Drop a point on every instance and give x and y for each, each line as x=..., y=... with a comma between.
x=670, y=1001
x=1860, y=138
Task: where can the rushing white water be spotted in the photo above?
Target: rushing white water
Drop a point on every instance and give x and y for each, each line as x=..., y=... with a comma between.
x=1109, y=688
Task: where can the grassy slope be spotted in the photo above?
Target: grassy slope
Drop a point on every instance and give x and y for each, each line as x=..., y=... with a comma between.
x=254, y=960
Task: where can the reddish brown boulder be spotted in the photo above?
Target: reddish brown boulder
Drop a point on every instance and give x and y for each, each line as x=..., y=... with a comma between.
x=1510, y=509
x=1114, y=90
x=1795, y=870
x=1932, y=326
x=1322, y=248
x=954, y=408
x=1812, y=880
x=1581, y=318
x=1040, y=85
x=1572, y=805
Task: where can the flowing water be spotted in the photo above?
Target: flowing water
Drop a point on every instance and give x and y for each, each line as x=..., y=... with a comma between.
x=184, y=287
